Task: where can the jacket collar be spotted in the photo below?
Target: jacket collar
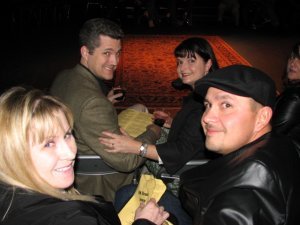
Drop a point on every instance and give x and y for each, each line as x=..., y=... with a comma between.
x=100, y=82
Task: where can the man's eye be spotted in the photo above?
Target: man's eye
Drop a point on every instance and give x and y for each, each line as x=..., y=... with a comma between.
x=107, y=53
x=206, y=105
x=226, y=105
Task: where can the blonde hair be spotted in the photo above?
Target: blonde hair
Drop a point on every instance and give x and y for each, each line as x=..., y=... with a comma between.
x=26, y=117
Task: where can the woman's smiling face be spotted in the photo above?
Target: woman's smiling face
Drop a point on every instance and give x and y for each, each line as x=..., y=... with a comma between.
x=54, y=158
x=190, y=69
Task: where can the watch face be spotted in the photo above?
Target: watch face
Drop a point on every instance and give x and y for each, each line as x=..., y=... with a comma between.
x=143, y=149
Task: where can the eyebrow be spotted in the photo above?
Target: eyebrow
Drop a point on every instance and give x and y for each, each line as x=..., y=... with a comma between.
x=222, y=96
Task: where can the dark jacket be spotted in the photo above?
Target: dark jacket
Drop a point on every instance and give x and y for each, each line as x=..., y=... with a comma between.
x=286, y=117
x=21, y=207
x=94, y=113
x=186, y=138
x=258, y=184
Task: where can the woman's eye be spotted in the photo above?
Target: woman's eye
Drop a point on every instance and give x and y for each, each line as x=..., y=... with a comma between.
x=68, y=135
x=49, y=144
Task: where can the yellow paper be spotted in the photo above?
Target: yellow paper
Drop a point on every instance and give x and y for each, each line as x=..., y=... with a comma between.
x=149, y=187
x=134, y=122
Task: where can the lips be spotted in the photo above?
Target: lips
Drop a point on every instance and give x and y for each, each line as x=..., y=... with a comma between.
x=291, y=70
x=210, y=131
x=64, y=168
x=185, y=75
x=110, y=67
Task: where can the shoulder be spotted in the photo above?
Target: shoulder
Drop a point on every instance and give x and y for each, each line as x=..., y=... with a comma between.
x=75, y=80
x=272, y=164
x=193, y=103
x=45, y=210
x=290, y=93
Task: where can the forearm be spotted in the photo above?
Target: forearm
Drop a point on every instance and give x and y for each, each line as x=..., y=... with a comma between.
x=152, y=153
x=149, y=137
x=151, y=150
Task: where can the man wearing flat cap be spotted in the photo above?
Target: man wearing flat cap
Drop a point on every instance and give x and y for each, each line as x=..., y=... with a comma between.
x=257, y=179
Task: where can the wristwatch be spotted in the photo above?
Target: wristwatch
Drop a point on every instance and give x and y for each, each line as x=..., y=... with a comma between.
x=143, y=150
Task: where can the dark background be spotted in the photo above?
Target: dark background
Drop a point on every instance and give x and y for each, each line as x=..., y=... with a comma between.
x=39, y=38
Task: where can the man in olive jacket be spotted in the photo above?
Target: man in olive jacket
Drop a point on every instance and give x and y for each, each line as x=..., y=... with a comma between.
x=83, y=90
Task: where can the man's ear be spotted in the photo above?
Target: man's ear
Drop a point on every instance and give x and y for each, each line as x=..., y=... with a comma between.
x=264, y=116
x=84, y=52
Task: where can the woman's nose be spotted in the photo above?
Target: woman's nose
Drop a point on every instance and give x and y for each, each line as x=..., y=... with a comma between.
x=183, y=67
x=68, y=150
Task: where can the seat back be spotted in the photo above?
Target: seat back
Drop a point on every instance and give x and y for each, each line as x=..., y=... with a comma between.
x=92, y=165
x=189, y=165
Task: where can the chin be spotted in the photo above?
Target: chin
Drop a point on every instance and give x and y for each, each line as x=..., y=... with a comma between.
x=187, y=82
x=212, y=147
x=64, y=185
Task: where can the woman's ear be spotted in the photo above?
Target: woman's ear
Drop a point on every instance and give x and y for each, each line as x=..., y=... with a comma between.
x=208, y=65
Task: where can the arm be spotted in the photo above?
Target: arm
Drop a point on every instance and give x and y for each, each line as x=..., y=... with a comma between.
x=186, y=144
x=235, y=207
x=123, y=143
x=96, y=115
x=146, y=214
x=185, y=141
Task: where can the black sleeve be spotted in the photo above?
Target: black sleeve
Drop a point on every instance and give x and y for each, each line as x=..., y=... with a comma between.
x=187, y=145
x=239, y=207
x=286, y=113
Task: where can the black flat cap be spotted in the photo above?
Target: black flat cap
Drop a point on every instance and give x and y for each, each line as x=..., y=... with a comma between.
x=240, y=80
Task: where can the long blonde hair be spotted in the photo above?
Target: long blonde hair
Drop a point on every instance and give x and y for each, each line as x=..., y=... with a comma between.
x=20, y=111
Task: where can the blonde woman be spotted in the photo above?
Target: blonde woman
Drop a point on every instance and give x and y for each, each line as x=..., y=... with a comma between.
x=37, y=157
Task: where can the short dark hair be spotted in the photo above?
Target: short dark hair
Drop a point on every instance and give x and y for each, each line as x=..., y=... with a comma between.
x=190, y=46
x=295, y=53
x=91, y=29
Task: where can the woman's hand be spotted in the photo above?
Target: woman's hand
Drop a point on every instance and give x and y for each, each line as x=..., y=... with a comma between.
x=163, y=115
x=119, y=143
x=151, y=211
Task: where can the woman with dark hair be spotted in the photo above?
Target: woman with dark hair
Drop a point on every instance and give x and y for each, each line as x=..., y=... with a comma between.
x=286, y=119
x=195, y=58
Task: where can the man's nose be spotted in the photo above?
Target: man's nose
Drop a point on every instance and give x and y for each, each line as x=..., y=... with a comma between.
x=114, y=59
x=209, y=115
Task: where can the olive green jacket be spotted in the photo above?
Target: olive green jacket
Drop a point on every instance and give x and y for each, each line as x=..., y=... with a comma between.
x=94, y=113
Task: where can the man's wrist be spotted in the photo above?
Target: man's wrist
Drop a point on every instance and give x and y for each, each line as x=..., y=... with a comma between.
x=143, y=150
